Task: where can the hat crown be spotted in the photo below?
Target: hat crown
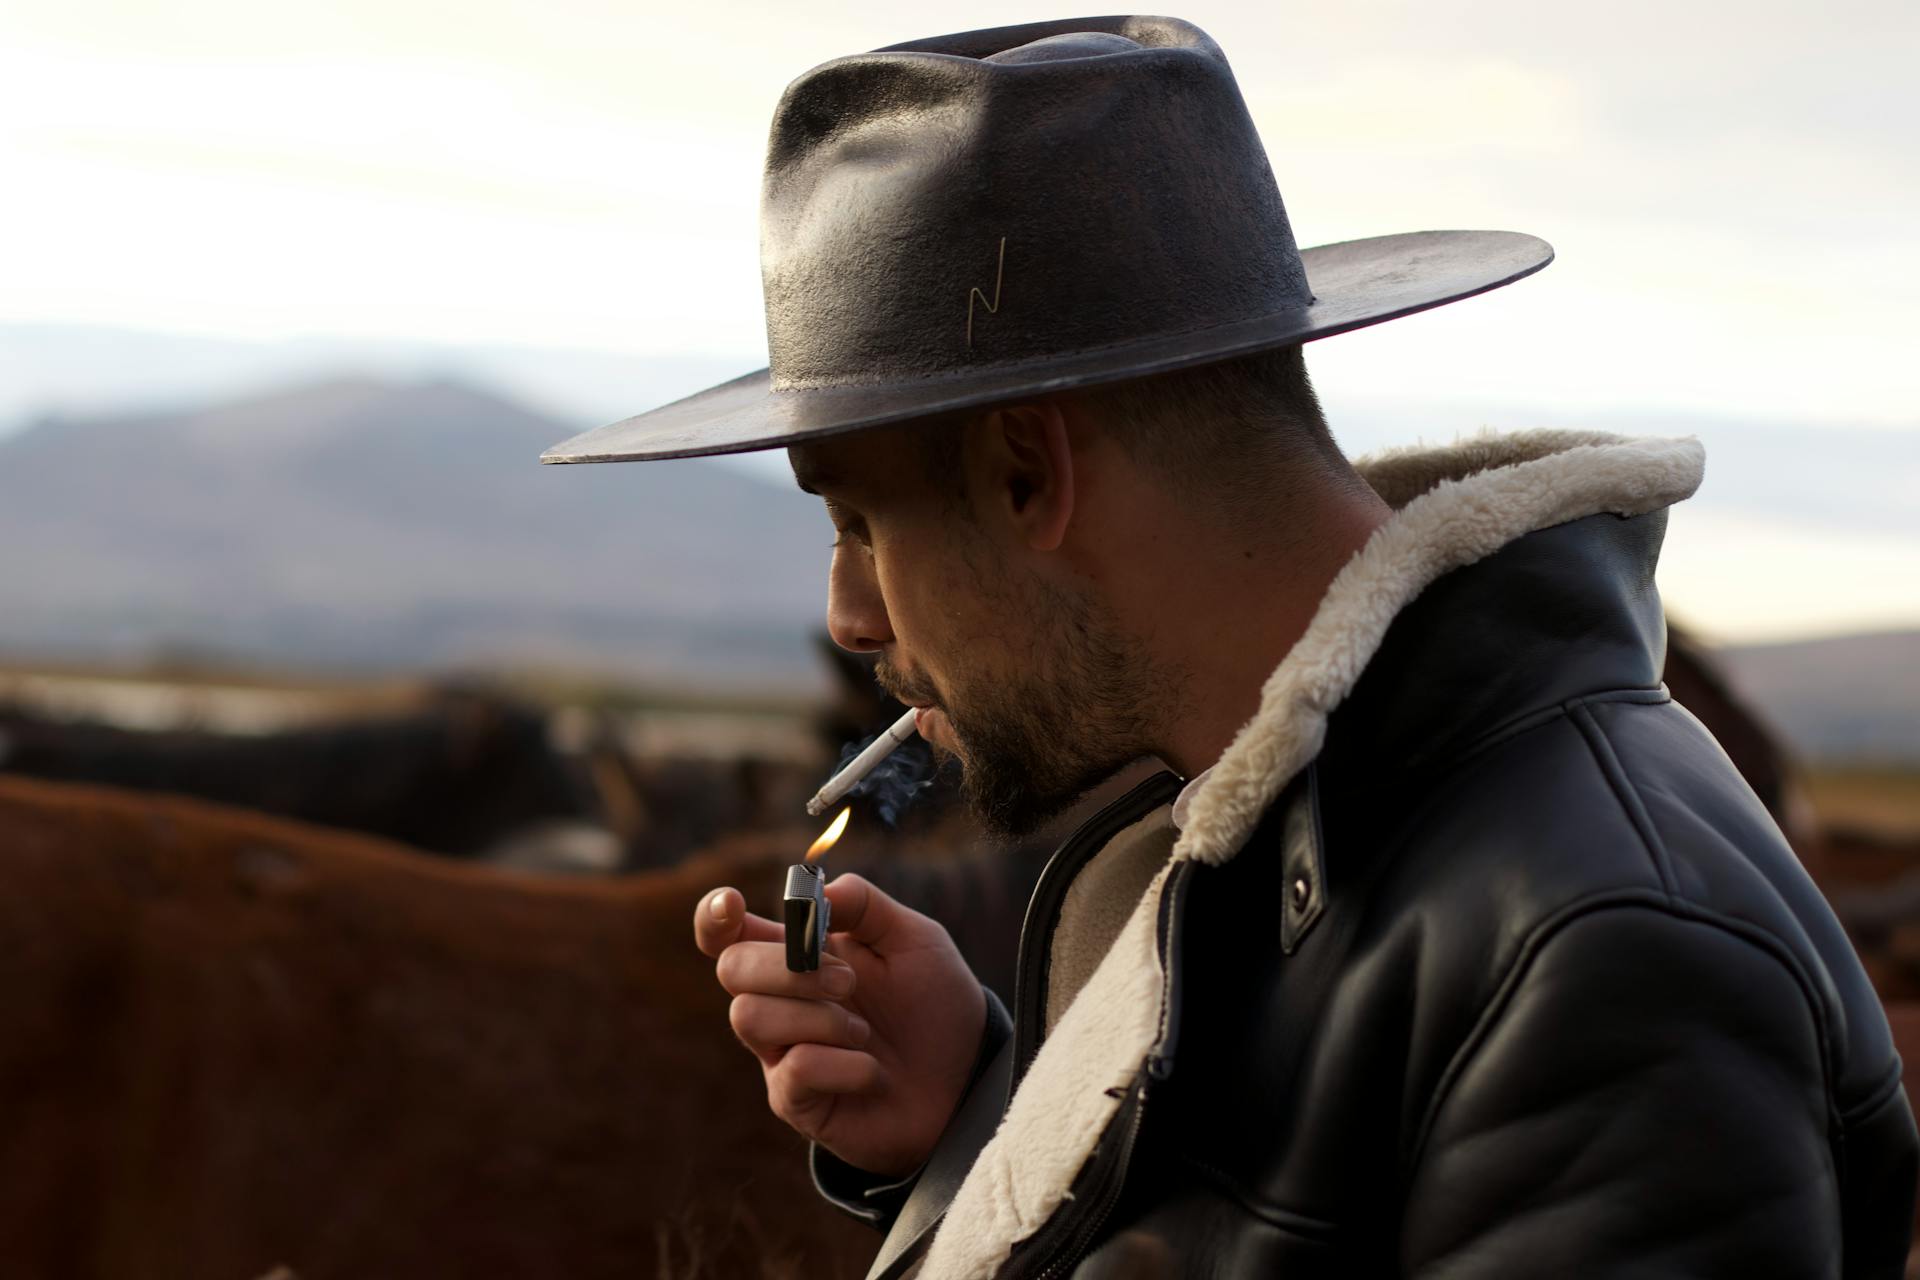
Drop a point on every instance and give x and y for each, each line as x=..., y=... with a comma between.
x=1021, y=194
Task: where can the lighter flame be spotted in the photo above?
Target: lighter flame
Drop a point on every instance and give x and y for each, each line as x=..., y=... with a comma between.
x=831, y=836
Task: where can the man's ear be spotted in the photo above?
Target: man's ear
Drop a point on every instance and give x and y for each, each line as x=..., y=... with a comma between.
x=1024, y=472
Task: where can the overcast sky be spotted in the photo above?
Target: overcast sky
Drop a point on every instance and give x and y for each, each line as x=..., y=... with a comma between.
x=1731, y=189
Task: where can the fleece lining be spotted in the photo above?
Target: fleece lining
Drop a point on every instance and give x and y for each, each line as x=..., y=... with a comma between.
x=1098, y=904
x=1453, y=505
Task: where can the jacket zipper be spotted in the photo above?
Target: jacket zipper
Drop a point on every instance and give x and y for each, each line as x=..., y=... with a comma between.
x=1077, y=1225
x=1113, y=1177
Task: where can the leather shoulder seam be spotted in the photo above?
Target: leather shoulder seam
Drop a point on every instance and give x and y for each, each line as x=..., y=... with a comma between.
x=1299, y=1224
x=1874, y=1100
x=1525, y=721
x=1435, y=770
x=1624, y=793
x=1619, y=900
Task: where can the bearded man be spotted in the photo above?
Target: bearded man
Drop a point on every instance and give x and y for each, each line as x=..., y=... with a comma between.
x=1445, y=944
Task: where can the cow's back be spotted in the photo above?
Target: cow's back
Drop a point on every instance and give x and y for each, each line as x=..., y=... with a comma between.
x=229, y=1042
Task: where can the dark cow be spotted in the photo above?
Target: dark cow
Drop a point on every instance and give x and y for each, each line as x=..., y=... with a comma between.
x=453, y=776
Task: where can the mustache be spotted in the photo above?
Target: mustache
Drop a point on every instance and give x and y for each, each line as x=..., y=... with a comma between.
x=901, y=689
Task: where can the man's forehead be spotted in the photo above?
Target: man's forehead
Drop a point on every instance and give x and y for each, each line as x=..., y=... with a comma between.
x=844, y=463
x=813, y=470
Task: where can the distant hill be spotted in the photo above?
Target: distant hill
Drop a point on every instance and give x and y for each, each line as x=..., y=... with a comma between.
x=1849, y=698
x=365, y=523
x=378, y=524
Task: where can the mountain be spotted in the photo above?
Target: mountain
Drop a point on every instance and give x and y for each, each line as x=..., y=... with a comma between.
x=406, y=524
x=94, y=370
x=1847, y=698
x=371, y=523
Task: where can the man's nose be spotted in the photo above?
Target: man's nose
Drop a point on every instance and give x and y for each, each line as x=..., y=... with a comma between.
x=856, y=611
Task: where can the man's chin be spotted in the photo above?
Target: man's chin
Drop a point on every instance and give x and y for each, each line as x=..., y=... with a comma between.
x=1012, y=817
x=1011, y=789
x=1011, y=808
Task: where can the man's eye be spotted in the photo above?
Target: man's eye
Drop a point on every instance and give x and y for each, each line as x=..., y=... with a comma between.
x=848, y=526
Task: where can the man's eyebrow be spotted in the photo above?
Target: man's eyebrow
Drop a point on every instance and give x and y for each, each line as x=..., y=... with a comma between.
x=812, y=479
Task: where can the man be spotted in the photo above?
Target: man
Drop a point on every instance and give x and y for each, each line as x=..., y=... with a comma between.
x=1446, y=945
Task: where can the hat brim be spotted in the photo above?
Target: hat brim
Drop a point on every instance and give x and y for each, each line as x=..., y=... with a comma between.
x=1355, y=283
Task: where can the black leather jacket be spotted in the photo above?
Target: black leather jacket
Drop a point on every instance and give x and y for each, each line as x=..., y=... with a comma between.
x=1534, y=987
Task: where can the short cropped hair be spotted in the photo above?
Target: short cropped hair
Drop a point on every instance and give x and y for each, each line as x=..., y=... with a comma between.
x=1221, y=433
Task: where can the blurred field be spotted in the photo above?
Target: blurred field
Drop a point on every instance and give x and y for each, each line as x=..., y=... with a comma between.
x=1884, y=800
x=454, y=906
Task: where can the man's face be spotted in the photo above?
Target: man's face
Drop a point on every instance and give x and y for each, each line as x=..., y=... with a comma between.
x=1026, y=678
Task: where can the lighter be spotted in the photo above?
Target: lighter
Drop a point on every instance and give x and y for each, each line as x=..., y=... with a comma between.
x=807, y=912
x=806, y=906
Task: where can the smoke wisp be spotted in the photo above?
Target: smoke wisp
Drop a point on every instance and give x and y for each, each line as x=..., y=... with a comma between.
x=899, y=780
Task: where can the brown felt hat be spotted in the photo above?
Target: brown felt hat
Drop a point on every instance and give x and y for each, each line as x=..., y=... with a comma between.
x=979, y=217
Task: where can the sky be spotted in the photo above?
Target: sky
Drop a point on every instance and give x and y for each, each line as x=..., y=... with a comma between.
x=572, y=186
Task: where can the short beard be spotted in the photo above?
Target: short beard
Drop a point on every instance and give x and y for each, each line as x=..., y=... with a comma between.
x=1033, y=742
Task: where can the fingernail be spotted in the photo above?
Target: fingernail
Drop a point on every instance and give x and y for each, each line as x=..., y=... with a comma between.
x=838, y=980
x=857, y=1029
x=717, y=905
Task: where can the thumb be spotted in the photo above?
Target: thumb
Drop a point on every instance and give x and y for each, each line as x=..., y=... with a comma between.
x=869, y=916
x=721, y=919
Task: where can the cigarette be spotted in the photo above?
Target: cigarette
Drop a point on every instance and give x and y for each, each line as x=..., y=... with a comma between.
x=863, y=764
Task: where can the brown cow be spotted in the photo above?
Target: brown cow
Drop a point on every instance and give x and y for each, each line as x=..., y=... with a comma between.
x=230, y=1043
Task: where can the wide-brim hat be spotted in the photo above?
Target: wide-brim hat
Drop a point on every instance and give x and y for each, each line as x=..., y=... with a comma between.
x=976, y=218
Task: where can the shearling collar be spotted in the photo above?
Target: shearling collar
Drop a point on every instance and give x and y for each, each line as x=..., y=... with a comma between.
x=1453, y=505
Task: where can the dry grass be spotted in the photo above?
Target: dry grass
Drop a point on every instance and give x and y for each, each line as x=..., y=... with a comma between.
x=1880, y=799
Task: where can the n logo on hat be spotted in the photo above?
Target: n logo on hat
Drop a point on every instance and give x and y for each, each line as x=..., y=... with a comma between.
x=1118, y=150
x=993, y=308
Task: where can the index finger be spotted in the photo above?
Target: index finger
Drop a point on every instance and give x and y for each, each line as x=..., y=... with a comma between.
x=721, y=919
x=865, y=914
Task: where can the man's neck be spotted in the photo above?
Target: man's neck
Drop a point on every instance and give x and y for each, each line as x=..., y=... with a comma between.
x=1218, y=609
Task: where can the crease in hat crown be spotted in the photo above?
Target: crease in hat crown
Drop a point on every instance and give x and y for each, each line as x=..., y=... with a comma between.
x=974, y=217
x=1115, y=178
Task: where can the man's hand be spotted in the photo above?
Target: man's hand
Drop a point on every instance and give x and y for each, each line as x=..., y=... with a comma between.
x=869, y=1055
